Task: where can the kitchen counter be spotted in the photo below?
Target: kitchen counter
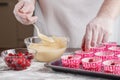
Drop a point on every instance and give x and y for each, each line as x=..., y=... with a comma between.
x=37, y=71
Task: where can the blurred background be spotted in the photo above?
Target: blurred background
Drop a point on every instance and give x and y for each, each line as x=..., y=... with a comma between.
x=12, y=33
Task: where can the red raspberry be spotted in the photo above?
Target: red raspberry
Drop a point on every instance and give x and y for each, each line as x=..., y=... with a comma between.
x=26, y=53
x=10, y=54
x=112, y=63
x=13, y=65
x=28, y=63
x=20, y=54
x=30, y=56
x=8, y=59
x=70, y=57
x=19, y=61
x=90, y=60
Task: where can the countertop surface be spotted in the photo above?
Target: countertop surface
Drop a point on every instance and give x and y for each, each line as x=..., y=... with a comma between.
x=37, y=71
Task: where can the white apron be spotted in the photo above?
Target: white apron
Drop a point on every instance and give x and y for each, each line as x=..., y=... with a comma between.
x=67, y=17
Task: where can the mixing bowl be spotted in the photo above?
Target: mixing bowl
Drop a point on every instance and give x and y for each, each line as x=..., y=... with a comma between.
x=47, y=51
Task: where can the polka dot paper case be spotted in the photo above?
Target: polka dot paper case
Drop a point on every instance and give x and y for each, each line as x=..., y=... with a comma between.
x=101, y=58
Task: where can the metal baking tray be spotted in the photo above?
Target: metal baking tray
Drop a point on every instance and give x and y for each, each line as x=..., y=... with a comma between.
x=57, y=66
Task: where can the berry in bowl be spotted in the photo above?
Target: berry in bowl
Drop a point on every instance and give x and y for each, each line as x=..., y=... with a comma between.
x=19, y=58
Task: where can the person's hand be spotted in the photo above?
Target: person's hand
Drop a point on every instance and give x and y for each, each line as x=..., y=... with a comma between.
x=23, y=12
x=97, y=31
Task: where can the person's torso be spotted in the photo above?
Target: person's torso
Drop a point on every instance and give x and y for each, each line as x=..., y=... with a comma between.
x=68, y=18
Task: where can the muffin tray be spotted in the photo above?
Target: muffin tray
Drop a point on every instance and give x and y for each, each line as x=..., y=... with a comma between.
x=57, y=66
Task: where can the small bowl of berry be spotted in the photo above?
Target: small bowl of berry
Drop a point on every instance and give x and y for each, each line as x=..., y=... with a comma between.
x=19, y=58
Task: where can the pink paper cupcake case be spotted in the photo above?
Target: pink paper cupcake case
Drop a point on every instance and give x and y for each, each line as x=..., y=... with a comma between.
x=99, y=48
x=92, y=66
x=109, y=44
x=113, y=69
x=71, y=61
x=116, y=50
x=105, y=55
x=84, y=54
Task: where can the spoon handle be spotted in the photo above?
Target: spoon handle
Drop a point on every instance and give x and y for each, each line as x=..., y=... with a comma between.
x=42, y=36
x=38, y=31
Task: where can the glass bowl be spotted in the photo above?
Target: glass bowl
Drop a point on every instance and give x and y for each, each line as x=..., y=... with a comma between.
x=46, y=51
x=19, y=58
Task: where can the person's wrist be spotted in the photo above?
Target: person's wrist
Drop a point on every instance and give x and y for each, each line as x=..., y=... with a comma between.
x=104, y=19
x=107, y=16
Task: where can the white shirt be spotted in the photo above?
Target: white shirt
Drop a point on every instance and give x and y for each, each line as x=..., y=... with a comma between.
x=66, y=17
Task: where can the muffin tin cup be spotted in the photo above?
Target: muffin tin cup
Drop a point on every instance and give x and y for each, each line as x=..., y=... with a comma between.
x=109, y=68
x=71, y=61
x=109, y=44
x=98, y=48
x=114, y=49
x=112, y=69
x=84, y=54
x=118, y=57
x=105, y=55
x=92, y=66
